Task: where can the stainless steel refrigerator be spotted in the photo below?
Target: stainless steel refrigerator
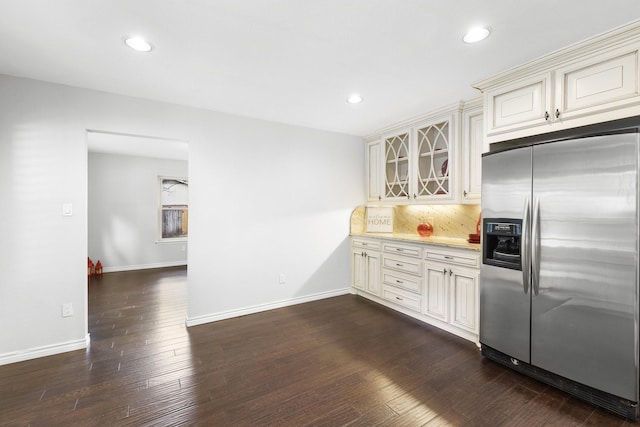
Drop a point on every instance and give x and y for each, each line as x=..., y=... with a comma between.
x=559, y=279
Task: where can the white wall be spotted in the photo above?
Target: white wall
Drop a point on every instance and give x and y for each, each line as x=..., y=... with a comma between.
x=123, y=212
x=265, y=198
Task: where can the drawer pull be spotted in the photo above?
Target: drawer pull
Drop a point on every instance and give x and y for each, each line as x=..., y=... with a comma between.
x=399, y=249
x=399, y=299
x=364, y=244
x=399, y=281
x=448, y=257
x=399, y=265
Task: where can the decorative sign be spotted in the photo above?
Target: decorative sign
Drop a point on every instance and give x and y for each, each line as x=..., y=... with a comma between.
x=379, y=220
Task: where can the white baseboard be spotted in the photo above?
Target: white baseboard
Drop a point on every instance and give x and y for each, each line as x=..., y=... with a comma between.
x=143, y=266
x=199, y=320
x=47, y=350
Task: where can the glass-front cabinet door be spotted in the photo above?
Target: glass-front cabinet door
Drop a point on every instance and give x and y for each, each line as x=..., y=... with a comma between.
x=419, y=161
x=397, y=172
x=433, y=149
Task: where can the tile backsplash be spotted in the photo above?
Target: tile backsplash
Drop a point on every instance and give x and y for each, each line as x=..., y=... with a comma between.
x=448, y=220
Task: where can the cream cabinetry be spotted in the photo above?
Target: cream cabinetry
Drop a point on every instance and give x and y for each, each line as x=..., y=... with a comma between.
x=402, y=275
x=436, y=292
x=523, y=104
x=452, y=295
x=451, y=288
x=416, y=161
x=434, y=284
x=397, y=175
x=374, y=170
x=431, y=159
x=365, y=265
x=607, y=81
x=591, y=82
x=472, y=148
x=420, y=161
x=464, y=298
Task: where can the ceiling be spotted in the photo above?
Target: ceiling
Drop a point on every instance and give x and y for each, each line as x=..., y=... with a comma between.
x=134, y=145
x=293, y=61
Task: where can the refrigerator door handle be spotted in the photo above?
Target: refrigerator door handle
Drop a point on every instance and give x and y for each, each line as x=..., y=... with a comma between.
x=535, y=248
x=524, y=247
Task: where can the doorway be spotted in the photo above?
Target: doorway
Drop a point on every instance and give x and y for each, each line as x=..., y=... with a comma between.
x=124, y=202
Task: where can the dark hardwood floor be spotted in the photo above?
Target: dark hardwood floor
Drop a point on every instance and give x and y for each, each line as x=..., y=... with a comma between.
x=339, y=361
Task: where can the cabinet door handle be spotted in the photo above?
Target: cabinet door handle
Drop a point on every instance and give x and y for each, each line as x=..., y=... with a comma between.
x=408, y=196
x=557, y=113
x=450, y=272
x=444, y=271
x=464, y=193
x=414, y=196
x=379, y=197
x=546, y=115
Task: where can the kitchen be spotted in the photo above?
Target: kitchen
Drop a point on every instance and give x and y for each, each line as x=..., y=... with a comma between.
x=44, y=127
x=559, y=265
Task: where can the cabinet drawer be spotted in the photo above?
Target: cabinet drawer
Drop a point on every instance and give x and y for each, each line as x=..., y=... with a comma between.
x=410, y=266
x=399, y=297
x=404, y=250
x=366, y=244
x=412, y=284
x=461, y=258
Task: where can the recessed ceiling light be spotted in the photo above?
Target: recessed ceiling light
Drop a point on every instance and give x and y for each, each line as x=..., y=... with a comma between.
x=355, y=99
x=138, y=43
x=476, y=34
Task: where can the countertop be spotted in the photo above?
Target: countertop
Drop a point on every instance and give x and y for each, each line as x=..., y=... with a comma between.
x=451, y=242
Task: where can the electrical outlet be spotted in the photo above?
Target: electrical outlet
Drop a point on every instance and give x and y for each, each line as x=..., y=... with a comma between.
x=67, y=309
x=283, y=278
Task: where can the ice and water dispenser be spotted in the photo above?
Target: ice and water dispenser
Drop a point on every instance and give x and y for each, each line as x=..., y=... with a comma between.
x=502, y=242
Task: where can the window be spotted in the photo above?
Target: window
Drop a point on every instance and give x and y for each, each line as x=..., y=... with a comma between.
x=174, y=208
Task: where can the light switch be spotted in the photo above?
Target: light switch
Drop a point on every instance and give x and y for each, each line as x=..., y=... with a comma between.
x=67, y=209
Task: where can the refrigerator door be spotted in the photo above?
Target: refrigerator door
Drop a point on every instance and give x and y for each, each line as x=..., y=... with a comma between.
x=584, y=256
x=504, y=295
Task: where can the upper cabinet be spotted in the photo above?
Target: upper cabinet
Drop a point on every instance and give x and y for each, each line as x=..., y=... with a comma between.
x=431, y=159
x=396, y=166
x=416, y=161
x=435, y=148
x=374, y=170
x=591, y=82
x=472, y=148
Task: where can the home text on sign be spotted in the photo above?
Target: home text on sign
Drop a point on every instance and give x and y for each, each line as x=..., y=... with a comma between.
x=379, y=220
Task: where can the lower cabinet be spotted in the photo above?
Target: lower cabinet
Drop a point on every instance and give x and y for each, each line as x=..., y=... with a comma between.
x=437, y=288
x=452, y=295
x=365, y=266
x=464, y=299
x=402, y=275
x=435, y=284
